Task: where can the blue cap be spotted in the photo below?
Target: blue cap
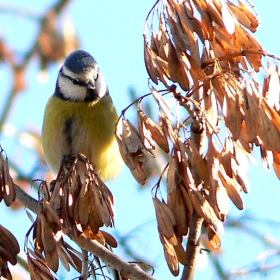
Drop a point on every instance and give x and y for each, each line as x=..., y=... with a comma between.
x=79, y=60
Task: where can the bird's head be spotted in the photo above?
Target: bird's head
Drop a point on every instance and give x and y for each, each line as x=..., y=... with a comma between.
x=80, y=79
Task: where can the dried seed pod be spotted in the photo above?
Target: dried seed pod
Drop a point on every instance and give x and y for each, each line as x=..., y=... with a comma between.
x=139, y=173
x=232, y=187
x=149, y=129
x=252, y=110
x=204, y=209
x=179, y=208
x=170, y=255
x=7, y=191
x=9, y=247
x=231, y=109
x=165, y=218
x=38, y=267
x=82, y=205
x=214, y=238
x=166, y=126
x=176, y=68
x=149, y=63
x=162, y=103
x=269, y=127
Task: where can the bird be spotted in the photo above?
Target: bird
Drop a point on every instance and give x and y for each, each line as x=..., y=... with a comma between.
x=80, y=117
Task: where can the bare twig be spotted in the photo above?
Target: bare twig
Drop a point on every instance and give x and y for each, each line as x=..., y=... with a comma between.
x=193, y=247
x=26, y=200
x=127, y=270
x=84, y=274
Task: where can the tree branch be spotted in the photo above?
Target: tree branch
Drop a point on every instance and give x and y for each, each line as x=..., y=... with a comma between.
x=26, y=200
x=127, y=270
x=193, y=246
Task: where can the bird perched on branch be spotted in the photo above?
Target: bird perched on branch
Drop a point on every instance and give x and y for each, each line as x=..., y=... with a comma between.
x=80, y=117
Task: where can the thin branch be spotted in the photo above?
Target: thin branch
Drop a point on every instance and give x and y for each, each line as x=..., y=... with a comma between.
x=84, y=274
x=26, y=200
x=193, y=247
x=127, y=270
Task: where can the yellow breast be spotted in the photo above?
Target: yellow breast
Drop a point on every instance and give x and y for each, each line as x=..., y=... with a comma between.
x=82, y=127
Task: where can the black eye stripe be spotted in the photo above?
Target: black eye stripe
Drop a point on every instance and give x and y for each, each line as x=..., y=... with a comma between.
x=75, y=82
x=79, y=82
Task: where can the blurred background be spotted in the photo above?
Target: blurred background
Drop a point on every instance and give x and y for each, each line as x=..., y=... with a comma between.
x=33, y=42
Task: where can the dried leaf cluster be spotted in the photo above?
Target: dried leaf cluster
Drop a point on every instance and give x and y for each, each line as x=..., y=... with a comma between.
x=222, y=112
x=7, y=191
x=9, y=247
x=76, y=205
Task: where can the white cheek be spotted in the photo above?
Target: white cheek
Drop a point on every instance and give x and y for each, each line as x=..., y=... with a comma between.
x=70, y=90
x=101, y=85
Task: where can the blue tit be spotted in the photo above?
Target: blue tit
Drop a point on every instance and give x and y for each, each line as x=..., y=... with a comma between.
x=80, y=118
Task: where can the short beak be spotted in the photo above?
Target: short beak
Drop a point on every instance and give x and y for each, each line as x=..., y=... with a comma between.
x=91, y=85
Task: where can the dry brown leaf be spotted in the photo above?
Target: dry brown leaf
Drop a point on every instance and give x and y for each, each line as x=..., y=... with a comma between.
x=181, y=254
x=252, y=18
x=185, y=25
x=232, y=187
x=250, y=44
x=225, y=159
x=9, y=243
x=269, y=127
x=181, y=40
x=162, y=103
x=139, y=173
x=244, y=140
x=171, y=175
x=149, y=63
x=177, y=205
x=82, y=206
x=252, y=111
x=233, y=116
x=95, y=220
x=228, y=18
x=273, y=87
x=129, y=160
x=63, y=256
x=38, y=267
x=165, y=218
x=166, y=126
x=222, y=199
x=163, y=39
x=199, y=163
x=110, y=240
x=73, y=259
x=211, y=111
x=131, y=137
x=103, y=203
x=204, y=209
x=214, y=238
x=9, y=194
x=276, y=163
x=46, y=234
x=52, y=260
x=170, y=255
x=148, y=128
x=176, y=68
x=186, y=198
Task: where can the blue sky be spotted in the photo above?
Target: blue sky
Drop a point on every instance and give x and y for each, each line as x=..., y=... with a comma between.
x=112, y=32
